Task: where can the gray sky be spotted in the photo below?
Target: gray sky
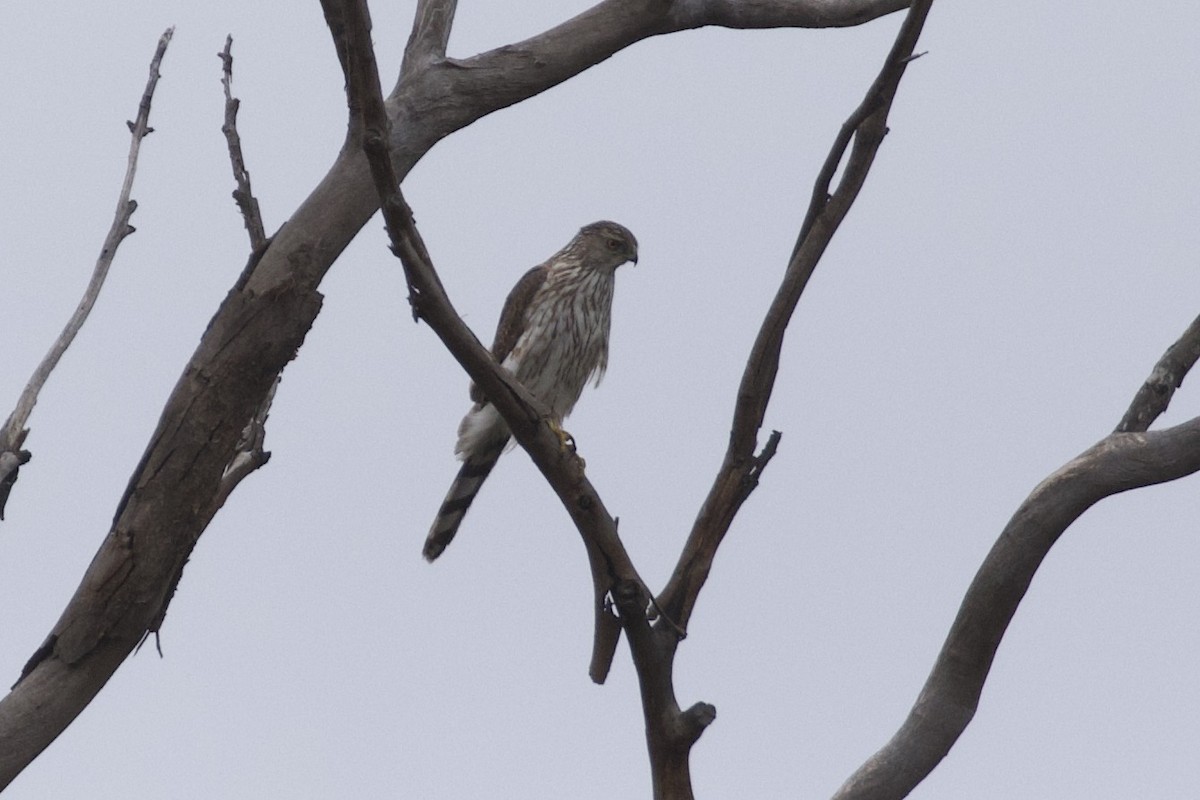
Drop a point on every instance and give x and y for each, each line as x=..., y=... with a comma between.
x=1023, y=252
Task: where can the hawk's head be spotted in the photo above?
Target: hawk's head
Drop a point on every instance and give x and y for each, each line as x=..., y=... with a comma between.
x=605, y=245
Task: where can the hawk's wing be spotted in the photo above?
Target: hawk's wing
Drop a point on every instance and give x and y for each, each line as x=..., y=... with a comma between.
x=512, y=318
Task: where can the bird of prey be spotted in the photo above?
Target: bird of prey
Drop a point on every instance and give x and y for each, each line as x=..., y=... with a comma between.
x=552, y=338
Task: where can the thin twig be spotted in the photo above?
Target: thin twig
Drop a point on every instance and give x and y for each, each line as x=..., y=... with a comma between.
x=242, y=195
x=14, y=432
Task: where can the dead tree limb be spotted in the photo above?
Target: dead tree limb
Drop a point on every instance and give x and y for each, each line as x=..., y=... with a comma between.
x=13, y=434
x=865, y=130
x=251, y=453
x=243, y=194
x=1129, y=458
x=1155, y=394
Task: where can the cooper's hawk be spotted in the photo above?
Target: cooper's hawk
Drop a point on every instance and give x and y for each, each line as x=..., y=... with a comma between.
x=552, y=337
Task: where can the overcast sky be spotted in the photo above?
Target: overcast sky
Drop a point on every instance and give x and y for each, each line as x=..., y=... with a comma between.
x=1024, y=250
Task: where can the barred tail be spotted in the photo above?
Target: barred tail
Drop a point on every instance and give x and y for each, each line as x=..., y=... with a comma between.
x=467, y=484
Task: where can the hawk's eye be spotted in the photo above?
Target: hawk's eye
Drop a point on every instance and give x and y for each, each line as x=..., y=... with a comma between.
x=613, y=244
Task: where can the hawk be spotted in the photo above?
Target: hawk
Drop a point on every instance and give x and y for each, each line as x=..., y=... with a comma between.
x=552, y=338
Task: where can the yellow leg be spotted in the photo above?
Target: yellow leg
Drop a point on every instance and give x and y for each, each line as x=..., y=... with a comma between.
x=565, y=439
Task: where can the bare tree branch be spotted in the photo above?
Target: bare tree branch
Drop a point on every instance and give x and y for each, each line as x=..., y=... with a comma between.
x=243, y=195
x=430, y=34
x=506, y=75
x=250, y=454
x=12, y=436
x=946, y=704
x=1128, y=458
x=167, y=505
x=1155, y=395
x=739, y=472
x=779, y=13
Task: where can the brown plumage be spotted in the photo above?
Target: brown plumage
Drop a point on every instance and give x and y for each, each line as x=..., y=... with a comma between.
x=552, y=337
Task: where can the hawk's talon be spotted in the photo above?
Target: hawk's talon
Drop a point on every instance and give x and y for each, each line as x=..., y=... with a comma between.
x=565, y=439
x=566, y=442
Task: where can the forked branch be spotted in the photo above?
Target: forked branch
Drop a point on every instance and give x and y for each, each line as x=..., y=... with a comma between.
x=506, y=75
x=1119, y=462
x=865, y=130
